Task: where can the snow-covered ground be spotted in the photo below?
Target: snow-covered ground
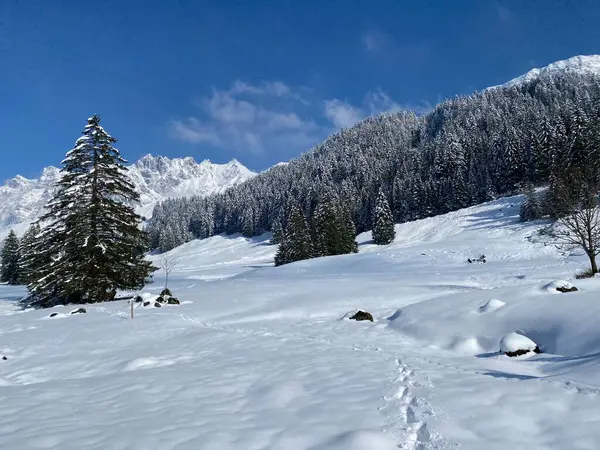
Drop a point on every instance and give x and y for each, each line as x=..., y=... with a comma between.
x=259, y=357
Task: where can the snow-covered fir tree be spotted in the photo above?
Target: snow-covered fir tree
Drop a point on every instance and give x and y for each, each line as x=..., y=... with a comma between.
x=9, y=259
x=333, y=230
x=296, y=243
x=531, y=209
x=277, y=233
x=348, y=242
x=29, y=252
x=383, y=221
x=91, y=234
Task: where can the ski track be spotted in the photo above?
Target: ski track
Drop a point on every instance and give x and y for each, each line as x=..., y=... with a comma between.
x=405, y=412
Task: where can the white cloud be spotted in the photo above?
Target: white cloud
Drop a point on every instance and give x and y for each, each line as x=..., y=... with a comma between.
x=379, y=101
x=193, y=131
x=342, y=114
x=272, y=117
x=252, y=118
x=374, y=40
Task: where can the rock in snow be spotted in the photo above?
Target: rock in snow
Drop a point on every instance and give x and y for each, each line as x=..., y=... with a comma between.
x=514, y=344
x=362, y=315
x=560, y=286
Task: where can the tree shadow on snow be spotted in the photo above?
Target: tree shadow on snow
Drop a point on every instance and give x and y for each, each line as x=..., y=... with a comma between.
x=11, y=298
x=488, y=355
x=510, y=376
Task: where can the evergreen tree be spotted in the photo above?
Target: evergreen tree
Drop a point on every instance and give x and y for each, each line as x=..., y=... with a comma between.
x=30, y=261
x=9, y=259
x=92, y=235
x=277, y=233
x=554, y=204
x=383, y=221
x=333, y=230
x=326, y=228
x=348, y=244
x=530, y=208
x=296, y=244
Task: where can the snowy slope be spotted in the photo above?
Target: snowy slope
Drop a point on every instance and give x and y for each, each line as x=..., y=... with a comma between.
x=259, y=357
x=156, y=178
x=583, y=64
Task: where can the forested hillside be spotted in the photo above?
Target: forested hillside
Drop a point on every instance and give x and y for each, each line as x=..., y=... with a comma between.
x=465, y=151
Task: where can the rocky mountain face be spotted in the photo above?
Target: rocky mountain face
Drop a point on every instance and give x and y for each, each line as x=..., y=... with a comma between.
x=156, y=178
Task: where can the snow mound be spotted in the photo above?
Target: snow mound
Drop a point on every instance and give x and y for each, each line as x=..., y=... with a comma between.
x=359, y=440
x=491, y=306
x=469, y=346
x=514, y=342
x=147, y=363
x=555, y=285
x=349, y=314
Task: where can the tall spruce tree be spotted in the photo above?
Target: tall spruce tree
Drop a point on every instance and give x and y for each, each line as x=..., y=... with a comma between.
x=383, y=221
x=530, y=208
x=327, y=237
x=91, y=236
x=277, y=232
x=9, y=259
x=296, y=243
x=349, y=244
x=333, y=230
x=29, y=262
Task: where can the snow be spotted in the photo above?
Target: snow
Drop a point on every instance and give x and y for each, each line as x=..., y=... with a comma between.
x=582, y=64
x=156, y=178
x=491, y=306
x=515, y=341
x=256, y=357
x=554, y=285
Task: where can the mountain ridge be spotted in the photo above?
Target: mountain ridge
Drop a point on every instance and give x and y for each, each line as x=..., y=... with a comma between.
x=158, y=177
x=581, y=64
x=155, y=177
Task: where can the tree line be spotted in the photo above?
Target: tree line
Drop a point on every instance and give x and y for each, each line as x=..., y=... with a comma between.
x=466, y=151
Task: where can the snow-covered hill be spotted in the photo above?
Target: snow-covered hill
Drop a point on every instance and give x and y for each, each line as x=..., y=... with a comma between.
x=259, y=357
x=156, y=178
x=582, y=64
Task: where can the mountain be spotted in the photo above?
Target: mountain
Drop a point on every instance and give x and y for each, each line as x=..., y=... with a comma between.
x=155, y=177
x=578, y=65
x=465, y=151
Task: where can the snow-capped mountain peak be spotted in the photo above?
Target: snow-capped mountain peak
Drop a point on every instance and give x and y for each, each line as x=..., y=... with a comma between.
x=155, y=177
x=582, y=64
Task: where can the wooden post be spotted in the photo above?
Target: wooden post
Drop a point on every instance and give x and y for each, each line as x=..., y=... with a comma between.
x=131, y=302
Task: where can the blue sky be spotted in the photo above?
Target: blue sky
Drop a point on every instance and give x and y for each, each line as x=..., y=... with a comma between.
x=261, y=81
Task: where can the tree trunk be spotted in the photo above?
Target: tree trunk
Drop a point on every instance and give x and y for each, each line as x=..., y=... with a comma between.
x=593, y=263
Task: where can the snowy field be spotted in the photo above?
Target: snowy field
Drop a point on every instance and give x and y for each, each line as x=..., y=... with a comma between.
x=258, y=357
